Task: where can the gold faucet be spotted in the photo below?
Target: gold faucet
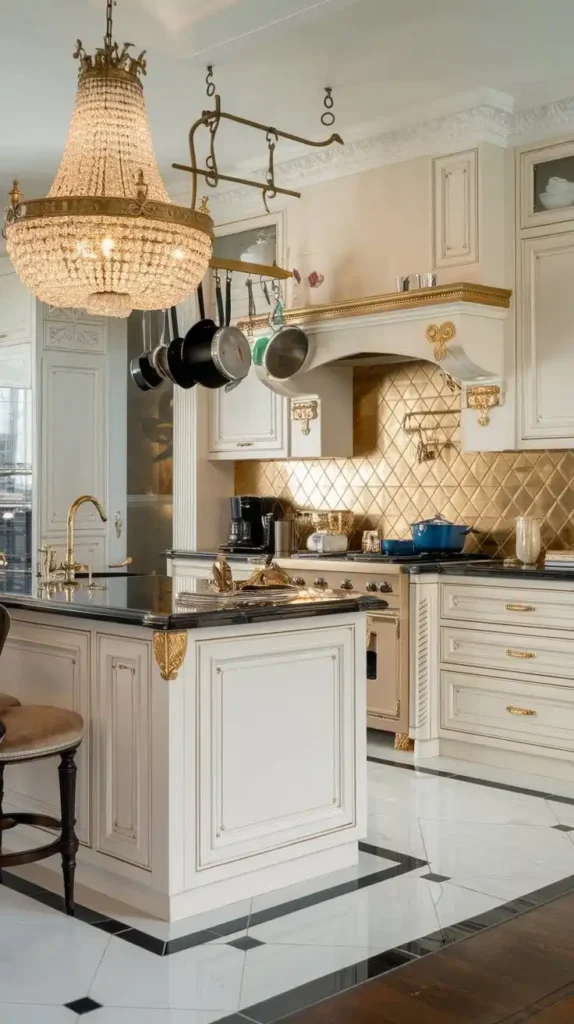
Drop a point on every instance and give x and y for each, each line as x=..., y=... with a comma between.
x=70, y=566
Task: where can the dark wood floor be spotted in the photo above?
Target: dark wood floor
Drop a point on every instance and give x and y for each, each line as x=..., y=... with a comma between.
x=519, y=971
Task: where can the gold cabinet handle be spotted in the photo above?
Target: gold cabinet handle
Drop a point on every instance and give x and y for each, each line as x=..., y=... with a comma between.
x=245, y=444
x=519, y=654
x=520, y=608
x=519, y=711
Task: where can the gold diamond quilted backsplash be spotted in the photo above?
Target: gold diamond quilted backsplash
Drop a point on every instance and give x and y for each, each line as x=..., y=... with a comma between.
x=387, y=487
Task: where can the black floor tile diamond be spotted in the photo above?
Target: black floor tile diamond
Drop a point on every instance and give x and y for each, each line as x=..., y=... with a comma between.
x=245, y=943
x=563, y=828
x=84, y=1005
x=431, y=877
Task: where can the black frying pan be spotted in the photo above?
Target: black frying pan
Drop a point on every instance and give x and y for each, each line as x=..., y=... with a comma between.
x=143, y=373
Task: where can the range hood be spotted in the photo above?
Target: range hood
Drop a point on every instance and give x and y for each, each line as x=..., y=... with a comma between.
x=461, y=327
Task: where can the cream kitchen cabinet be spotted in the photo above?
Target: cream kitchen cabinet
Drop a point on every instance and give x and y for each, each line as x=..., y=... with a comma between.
x=545, y=331
x=492, y=671
x=250, y=422
x=17, y=306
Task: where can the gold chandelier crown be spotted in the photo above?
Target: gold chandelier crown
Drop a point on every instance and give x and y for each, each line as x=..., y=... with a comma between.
x=107, y=238
x=109, y=57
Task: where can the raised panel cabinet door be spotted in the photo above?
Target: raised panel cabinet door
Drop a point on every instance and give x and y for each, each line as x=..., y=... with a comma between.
x=247, y=423
x=47, y=665
x=74, y=440
x=387, y=704
x=455, y=209
x=16, y=306
x=546, y=340
x=275, y=741
x=123, y=746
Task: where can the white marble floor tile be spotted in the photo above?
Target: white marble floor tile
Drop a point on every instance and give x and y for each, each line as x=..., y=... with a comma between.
x=203, y=978
x=368, y=863
x=151, y=925
x=380, y=917
x=396, y=832
x=54, y=957
x=270, y=970
x=16, y=906
x=34, y=1013
x=398, y=792
x=493, y=773
x=451, y=800
x=564, y=813
x=503, y=861
x=382, y=744
x=135, y=1015
x=453, y=903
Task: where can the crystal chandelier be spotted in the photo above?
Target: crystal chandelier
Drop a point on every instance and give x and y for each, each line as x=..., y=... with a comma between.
x=107, y=238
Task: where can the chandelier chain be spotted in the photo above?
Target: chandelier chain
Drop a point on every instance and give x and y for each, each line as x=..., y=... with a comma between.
x=109, y=23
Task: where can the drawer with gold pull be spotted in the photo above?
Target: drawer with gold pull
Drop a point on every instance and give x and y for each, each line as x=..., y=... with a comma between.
x=513, y=605
x=517, y=710
x=519, y=653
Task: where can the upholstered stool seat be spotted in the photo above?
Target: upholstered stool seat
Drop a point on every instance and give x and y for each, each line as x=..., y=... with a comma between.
x=36, y=731
x=6, y=701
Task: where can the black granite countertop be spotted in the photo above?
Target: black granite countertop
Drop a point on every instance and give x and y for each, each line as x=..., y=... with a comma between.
x=157, y=602
x=495, y=569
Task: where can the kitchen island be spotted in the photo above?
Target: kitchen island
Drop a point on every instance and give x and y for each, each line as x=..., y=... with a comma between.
x=224, y=753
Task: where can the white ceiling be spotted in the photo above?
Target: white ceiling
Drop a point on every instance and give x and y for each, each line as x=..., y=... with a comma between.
x=385, y=60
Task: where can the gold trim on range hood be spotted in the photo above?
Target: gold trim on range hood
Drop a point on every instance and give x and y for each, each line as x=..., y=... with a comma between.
x=481, y=294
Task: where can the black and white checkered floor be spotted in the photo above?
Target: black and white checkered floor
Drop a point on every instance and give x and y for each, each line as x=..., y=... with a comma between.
x=444, y=857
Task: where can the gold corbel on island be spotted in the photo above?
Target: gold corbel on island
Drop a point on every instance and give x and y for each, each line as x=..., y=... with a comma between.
x=170, y=650
x=439, y=336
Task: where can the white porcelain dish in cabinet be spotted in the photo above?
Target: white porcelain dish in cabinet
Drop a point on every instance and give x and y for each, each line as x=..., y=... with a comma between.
x=508, y=652
x=539, y=714
x=513, y=605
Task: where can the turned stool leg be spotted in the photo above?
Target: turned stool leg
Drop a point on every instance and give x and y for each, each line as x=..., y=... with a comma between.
x=68, y=837
x=1, y=799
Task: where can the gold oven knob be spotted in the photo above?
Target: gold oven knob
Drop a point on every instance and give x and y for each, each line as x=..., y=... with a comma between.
x=347, y=585
x=385, y=588
x=299, y=581
x=372, y=587
x=320, y=582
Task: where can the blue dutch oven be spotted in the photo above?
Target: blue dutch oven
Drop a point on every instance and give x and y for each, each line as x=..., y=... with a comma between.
x=439, y=535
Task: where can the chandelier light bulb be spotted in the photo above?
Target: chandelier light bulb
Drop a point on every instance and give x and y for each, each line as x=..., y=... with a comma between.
x=107, y=238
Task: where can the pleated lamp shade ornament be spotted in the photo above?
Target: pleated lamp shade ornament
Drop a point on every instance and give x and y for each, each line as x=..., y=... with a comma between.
x=107, y=238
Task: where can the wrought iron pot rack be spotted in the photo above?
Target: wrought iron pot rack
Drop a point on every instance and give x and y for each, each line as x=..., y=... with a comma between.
x=211, y=120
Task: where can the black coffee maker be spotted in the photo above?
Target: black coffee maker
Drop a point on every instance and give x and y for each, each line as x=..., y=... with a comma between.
x=251, y=529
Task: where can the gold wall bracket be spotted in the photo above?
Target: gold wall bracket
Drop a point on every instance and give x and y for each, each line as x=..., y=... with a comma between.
x=303, y=412
x=483, y=397
x=439, y=336
x=170, y=650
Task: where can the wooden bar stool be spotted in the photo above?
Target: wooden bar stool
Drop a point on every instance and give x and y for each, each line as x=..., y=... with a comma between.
x=31, y=733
